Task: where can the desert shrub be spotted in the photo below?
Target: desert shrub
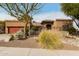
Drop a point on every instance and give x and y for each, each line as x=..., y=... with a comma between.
x=12, y=38
x=19, y=35
x=49, y=39
x=35, y=30
x=71, y=30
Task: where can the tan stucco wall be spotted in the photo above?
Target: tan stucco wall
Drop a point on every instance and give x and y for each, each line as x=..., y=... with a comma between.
x=58, y=24
x=14, y=23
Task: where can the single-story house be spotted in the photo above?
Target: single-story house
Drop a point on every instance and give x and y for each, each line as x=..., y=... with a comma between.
x=12, y=26
x=58, y=24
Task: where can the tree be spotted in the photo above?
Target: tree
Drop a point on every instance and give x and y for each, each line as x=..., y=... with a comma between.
x=21, y=11
x=72, y=10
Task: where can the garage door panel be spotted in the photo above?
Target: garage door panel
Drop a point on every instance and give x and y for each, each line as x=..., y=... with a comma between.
x=13, y=29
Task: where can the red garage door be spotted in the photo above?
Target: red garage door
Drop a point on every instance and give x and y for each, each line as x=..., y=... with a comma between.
x=13, y=29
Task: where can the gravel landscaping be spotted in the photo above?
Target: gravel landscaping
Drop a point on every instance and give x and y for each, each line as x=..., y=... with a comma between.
x=25, y=43
x=71, y=41
x=32, y=43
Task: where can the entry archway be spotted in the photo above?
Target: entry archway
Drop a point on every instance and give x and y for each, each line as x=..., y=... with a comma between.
x=49, y=26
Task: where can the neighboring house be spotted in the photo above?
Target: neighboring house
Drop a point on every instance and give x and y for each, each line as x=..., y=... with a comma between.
x=59, y=24
x=13, y=26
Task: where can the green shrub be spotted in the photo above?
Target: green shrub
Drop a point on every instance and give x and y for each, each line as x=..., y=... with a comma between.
x=49, y=39
x=71, y=30
x=19, y=34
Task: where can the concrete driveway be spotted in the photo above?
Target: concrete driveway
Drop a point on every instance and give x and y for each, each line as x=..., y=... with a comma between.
x=11, y=51
x=5, y=37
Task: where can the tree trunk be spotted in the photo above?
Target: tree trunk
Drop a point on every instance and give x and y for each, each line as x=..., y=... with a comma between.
x=26, y=30
x=76, y=23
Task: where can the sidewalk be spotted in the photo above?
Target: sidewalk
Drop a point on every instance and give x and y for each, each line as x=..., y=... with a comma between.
x=10, y=51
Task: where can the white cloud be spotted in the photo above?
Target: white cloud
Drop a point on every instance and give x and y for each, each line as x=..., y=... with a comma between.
x=50, y=16
x=4, y=16
x=39, y=17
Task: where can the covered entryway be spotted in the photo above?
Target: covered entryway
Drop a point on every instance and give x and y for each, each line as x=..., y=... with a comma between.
x=47, y=24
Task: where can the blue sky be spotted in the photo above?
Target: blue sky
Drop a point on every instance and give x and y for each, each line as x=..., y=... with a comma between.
x=48, y=11
x=51, y=7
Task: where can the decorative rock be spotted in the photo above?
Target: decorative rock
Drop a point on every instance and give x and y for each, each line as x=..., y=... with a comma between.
x=72, y=40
